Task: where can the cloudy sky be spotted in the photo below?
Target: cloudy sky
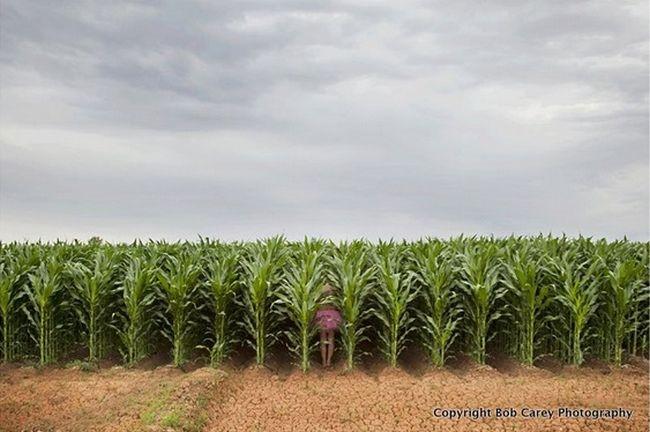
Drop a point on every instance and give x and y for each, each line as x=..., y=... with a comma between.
x=340, y=119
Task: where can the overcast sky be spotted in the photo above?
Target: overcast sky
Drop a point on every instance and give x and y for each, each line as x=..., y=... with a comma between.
x=339, y=119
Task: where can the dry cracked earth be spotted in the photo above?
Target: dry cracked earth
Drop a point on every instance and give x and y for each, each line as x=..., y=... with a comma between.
x=372, y=398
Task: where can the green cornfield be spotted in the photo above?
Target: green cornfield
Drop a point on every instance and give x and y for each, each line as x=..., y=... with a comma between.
x=522, y=296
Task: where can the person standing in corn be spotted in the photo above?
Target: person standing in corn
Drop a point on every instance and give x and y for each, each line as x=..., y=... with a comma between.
x=328, y=319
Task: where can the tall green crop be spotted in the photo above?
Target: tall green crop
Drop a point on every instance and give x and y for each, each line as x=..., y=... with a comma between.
x=567, y=297
x=178, y=282
x=480, y=268
x=353, y=274
x=578, y=294
x=440, y=314
x=263, y=267
x=529, y=298
x=222, y=277
x=8, y=296
x=638, y=341
x=394, y=294
x=300, y=298
x=45, y=293
x=137, y=297
x=622, y=294
x=10, y=292
x=16, y=263
x=93, y=290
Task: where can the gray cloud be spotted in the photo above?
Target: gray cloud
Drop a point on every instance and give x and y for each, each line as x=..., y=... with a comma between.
x=339, y=119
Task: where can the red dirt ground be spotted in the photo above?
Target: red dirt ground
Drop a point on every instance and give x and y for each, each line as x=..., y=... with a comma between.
x=369, y=399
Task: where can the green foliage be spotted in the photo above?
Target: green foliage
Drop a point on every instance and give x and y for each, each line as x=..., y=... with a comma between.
x=578, y=294
x=263, y=266
x=301, y=296
x=13, y=271
x=222, y=276
x=529, y=296
x=526, y=296
x=45, y=293
x=178, y=280
x=433, y=270
x=353, y=275
x=394, y=294
x=623, y=293
x=480, y=267
x=137, y=303
x=93, y=292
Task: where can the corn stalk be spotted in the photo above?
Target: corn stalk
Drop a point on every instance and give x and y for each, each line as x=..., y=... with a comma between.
x=578, y=294
x=263, y=267
x=221, y=272
x=480, y=269
x=13, y=273
x=45, y=292
x=137, y=299
x=394, y=294
x=353, y=274
x=624, y=292
x=529, y=298
x=178, y=282
x=92, y=291
x=440, y=314
x=300, y=298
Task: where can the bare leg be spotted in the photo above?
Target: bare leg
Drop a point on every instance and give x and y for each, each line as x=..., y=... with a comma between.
x=323, y=347
x=330, y=352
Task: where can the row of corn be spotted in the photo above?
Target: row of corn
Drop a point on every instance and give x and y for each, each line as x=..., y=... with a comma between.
x=524, y=296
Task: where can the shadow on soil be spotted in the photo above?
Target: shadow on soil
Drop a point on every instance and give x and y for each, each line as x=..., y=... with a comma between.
x=414, y=361
x=549, y=363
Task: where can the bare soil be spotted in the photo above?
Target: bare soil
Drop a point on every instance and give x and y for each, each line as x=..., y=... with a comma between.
x=372, y=398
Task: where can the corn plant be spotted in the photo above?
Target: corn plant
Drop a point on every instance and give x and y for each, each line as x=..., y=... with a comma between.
x=45, y=293
x=17, y=262
x=538, y=295
x=578, y=294
x=529, y=298
x=178, y=284
x=440, y=314
x=222, y=278
x=623, y=292
x=263, y=267
x=300, y=298
x=137, y=297
x=93, y=290
x=8, y=296
x=353, y=274
x=394, y=294
x=641, y=325
x=10, y=293
x=480, y=269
